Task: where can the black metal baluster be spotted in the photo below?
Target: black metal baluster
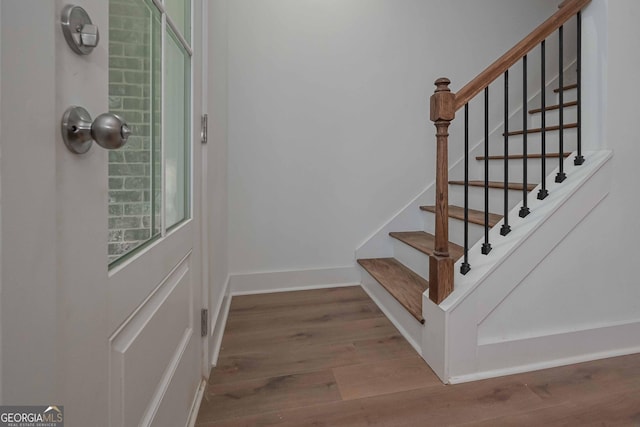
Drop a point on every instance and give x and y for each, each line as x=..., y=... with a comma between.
x=561, y=176
x=506, y=228
x=465, y=267
x=486, y=246
x=524, y=210
x=579, y=158
x=543, y=193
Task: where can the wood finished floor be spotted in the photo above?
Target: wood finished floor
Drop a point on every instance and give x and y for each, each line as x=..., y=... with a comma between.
x=330, y=358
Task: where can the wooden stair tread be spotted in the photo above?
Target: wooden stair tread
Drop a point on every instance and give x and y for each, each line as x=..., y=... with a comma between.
x=475, y=216
x=553, y=107
x=425, y=242
x=496, y=184
x=520, y=156
x=538, y=130
x=567, y=87
x=402, y=283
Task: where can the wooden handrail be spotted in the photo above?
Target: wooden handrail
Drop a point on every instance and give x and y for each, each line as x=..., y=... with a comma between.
x=492, y=72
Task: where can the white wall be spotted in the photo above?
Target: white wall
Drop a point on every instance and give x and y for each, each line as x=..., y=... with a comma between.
x=328, y=115
x=592, y=274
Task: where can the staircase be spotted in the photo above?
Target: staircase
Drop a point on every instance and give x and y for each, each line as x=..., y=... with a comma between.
x=406, y=285
x=515, y=186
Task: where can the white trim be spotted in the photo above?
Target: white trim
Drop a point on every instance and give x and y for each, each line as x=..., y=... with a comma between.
x=542, y=210
x=1, y=365
x=159, y=5
x=167, y=377
x=176, y=31
x=294, y=280
x=195, y=407
x=204, y=184
x=461, y=354
x=163, y=117
x=218, y=330
x=372, y=289
x=598, y=337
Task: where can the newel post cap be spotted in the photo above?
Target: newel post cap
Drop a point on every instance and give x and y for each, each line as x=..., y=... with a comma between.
x=442, y=101
x=442, y=85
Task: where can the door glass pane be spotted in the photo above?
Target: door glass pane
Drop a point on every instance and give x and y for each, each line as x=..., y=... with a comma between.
x=134, y=93
x=177, y=132
x=178, y=11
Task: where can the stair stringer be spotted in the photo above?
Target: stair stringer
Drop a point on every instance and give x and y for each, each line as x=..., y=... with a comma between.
x=451, y=343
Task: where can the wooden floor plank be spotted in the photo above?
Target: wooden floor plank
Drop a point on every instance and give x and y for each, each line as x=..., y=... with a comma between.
x=622, y=409
x=620, y=374
x=297, y=337
x=429, y=406
x=378, y=349
x=245, y=398
x=388, y=376
x=265, y=364
x=317, y=314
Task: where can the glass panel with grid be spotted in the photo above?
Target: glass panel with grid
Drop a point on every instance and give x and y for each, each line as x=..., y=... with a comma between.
x=149, y=81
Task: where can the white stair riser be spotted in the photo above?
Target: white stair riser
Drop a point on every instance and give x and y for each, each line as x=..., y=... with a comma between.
x=476, y=198
x=412, y=258
x=553, y=117
x=534, y=170
x=554, y=98
x=534, y=141
x=456, y=230
x=408, y=326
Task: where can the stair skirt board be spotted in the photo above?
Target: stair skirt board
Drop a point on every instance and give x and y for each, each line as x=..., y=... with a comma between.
x=454, y=344
x=406, y=324
x=564, y=348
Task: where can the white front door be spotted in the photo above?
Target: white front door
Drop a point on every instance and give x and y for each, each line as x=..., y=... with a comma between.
x=101, y=269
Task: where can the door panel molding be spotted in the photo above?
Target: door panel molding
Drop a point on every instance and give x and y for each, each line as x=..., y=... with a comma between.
x=146, y=270
x=141, y=365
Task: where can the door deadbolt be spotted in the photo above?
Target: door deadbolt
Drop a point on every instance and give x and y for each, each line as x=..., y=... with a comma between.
x=109, y=130
x=79, y=32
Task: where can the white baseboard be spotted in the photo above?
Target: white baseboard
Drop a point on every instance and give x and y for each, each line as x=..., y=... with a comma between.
x=282, y=281
x=218, y=330
x=195, y=407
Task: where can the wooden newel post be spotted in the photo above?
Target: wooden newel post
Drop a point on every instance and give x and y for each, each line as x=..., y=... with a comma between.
x=441, y=263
